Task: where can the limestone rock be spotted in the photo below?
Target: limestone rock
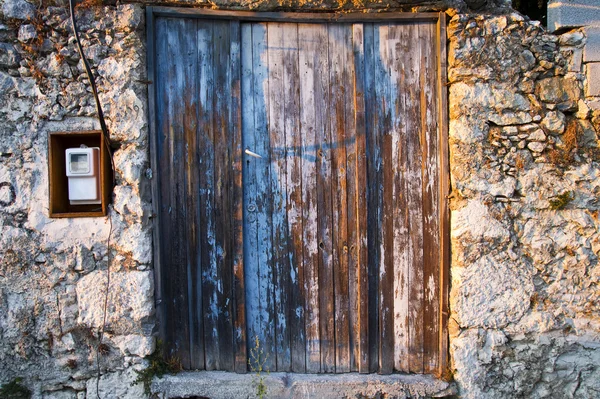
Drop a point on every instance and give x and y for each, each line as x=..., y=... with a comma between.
x=131, y=163
x=84, y=260
x=18, y=9
x=474, y=223
x=500, y=105
x=558, y=90
x=116, y=385
x=127, y=202
x=587, y=134
x=9, y=57
x=573, y=38
x=130, y=300
x=129, y=17
x=7, y=83
x=137, y=241
x=493, y=292
x=468, y=129
x=536, y=146
x=554, y=122
x=27, y=33
x=583, y=111
x=537, y=135
x=127, y=116
x=137, y=345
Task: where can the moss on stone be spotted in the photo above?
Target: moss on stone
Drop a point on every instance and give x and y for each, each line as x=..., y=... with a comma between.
x=15, y=390
x=561, y=201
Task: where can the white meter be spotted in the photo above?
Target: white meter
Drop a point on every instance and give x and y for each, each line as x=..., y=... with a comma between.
x=83, y=173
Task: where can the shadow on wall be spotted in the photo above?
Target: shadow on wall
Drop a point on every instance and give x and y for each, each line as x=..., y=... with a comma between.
x=534, y=9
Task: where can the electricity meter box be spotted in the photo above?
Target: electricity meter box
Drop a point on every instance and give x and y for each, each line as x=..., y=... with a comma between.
x=83, y=173
x=79, y=174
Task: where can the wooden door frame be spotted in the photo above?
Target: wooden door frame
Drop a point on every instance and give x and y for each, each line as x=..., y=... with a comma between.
x=152, y=12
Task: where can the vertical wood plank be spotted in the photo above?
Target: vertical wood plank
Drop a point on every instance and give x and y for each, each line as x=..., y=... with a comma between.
x=264, y=204
x=401, y=247
x=415, y=206
x=163, y=166
x=237, y=197
x=222, y=204
x=385, y=205
x=359, y=289
x=153, y=30
x=192, y=213
x=324, y=200
x=251, y=265
x=160, y=138
x=294, y=143
x=206, y=150
x=373, y=213
x=431, y=242
x=444, y=190
x=308, y=60
x=179, y=322
x=278, y=181
x=338, y=76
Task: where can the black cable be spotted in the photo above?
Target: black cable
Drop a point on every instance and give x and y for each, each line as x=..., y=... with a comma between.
x=106, y=142
x=88, y=71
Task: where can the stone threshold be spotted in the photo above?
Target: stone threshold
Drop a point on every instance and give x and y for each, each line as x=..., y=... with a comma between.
x=226, y=385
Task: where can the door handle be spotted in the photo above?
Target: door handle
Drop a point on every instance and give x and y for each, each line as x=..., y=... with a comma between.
x=252, y=154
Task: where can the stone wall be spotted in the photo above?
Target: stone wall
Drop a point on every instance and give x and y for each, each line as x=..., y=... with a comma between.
x=53, y=271
x=525, y=174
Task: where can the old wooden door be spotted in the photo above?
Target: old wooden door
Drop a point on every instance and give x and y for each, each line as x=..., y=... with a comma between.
x=299, y=191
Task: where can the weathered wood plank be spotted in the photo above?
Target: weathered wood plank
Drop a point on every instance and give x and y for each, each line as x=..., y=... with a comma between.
x=293, y=139
x=308, y=60
x=338, y=48
x=264, y=205
x=206, y=145
x=415, y=206
x=352, y=197
x=373, y=225
x=191, y=216
x=162, y=168
x=444, y=191
x=179, y=322
x=431, y=242
x=359, y=288
x=385, y=206
x=154, y=130
x=237, y=197
x=324, y=199
x=278, y=181
x=402, y=48
x=251, y=265
x=222, y=204
x=301, y=17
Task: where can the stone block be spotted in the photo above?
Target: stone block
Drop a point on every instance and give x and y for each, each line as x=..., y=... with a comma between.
x=573, y=13
x=591, y=51
x=560, y=91
x=18, y=9
x=130, y=300
x=225, y=385
x=576, y=60
x=592, y=86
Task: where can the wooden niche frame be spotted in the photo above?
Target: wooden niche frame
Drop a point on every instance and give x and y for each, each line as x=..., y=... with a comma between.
x=60, y=207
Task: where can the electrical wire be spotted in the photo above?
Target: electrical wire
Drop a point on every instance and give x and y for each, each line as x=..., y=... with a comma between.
x=106, y=143
x=88, y=71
